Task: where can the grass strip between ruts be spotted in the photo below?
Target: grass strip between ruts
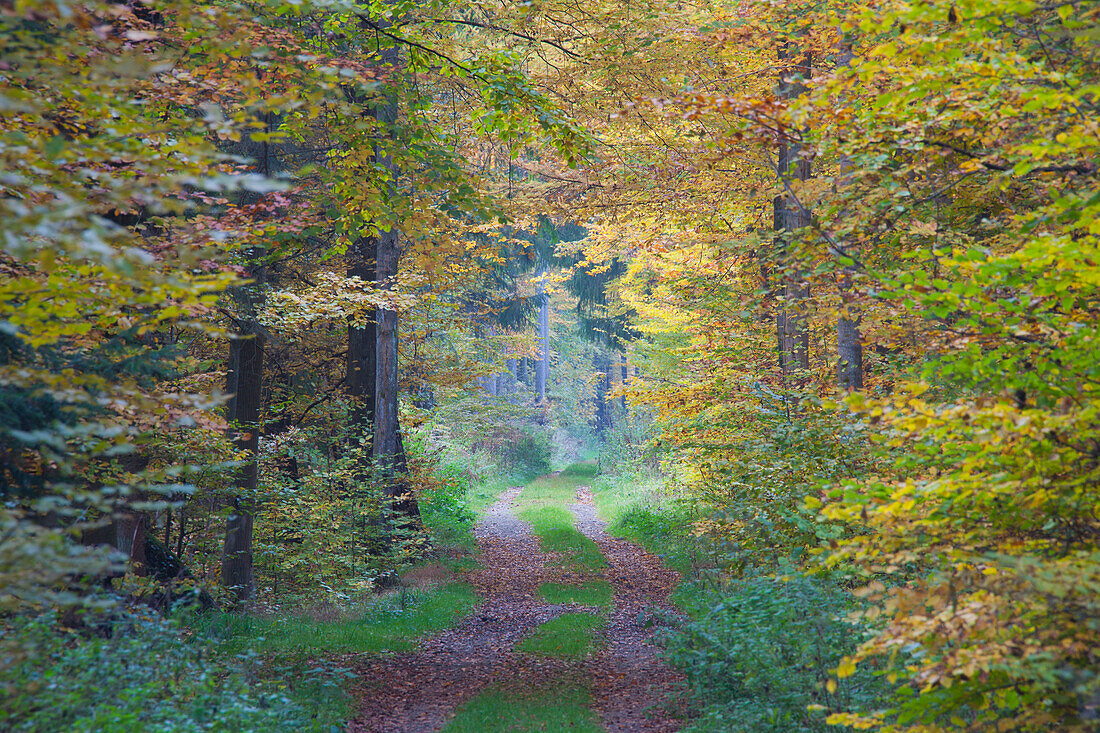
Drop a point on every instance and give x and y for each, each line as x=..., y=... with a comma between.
x=594, y=593
x=500, y=710
x=569, y=635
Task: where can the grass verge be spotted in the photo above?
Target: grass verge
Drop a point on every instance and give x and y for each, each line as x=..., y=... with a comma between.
x=500, y=710
x=594, y=593
x=389, y=623
x=569, y=635
x=635, y=509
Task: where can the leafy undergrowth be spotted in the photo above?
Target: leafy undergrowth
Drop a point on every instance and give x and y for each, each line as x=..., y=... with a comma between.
x=758, y=652
x=508, y=711
x=569, y=635
x=139, y=673
x=593, y=593
x=759, y=655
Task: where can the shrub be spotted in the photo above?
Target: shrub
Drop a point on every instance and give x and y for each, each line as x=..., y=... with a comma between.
x=759, y=655
x=144, y=676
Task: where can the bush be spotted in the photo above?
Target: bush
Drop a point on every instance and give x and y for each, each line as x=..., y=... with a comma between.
x=528, y=453
x=145, y=676
x=758, y=656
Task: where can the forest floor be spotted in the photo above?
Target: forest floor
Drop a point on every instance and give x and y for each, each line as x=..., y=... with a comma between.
x=617, y=676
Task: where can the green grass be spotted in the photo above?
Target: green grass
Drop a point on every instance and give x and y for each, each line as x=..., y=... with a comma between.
x=483, y=493
x=569, y=635
x=595, y=593
x=507, y=711
x=551, y=490
x=635, y=509
x=554, y=528
x=585, y=469
x=542, y=503
x=391, y=623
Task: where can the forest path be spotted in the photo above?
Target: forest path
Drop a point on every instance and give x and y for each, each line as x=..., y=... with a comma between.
x=418, y=691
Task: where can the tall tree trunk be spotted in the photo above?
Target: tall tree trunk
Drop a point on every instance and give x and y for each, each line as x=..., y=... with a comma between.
x=542, y=366
x=362, y=342
x=388, y=447
x=244, y=383
x=789, y=216
x=849, y=340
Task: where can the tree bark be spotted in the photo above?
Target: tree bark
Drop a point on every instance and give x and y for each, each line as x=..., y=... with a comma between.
x=625, y=376
x=245, y=380
x=789, y=216
x=388, y=448
x=849, y=340
x=542, y=367
x=362, y=341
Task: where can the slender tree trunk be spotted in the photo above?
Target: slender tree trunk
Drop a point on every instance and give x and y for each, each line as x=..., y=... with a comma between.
x=625, y=376
x=791, y=330
x=542, y=367
x=602, y=362
x=245, y=380
x=849, y=340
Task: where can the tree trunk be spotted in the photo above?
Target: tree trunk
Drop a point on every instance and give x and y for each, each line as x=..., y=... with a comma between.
x=388, y=448
x=625, y=376
x=602, y=363
x=386, y=384
x=245, y=375
x=130, y=531
x=849, y=340
x=362, y=342
x=542, y=367
x=789, y=216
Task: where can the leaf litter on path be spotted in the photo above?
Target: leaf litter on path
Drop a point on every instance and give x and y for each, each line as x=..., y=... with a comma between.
x=416, y=692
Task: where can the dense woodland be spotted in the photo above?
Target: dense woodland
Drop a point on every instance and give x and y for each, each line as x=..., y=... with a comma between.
x=291, y=290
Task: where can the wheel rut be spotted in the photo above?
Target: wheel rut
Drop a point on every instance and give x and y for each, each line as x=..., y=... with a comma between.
x=417, y=691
